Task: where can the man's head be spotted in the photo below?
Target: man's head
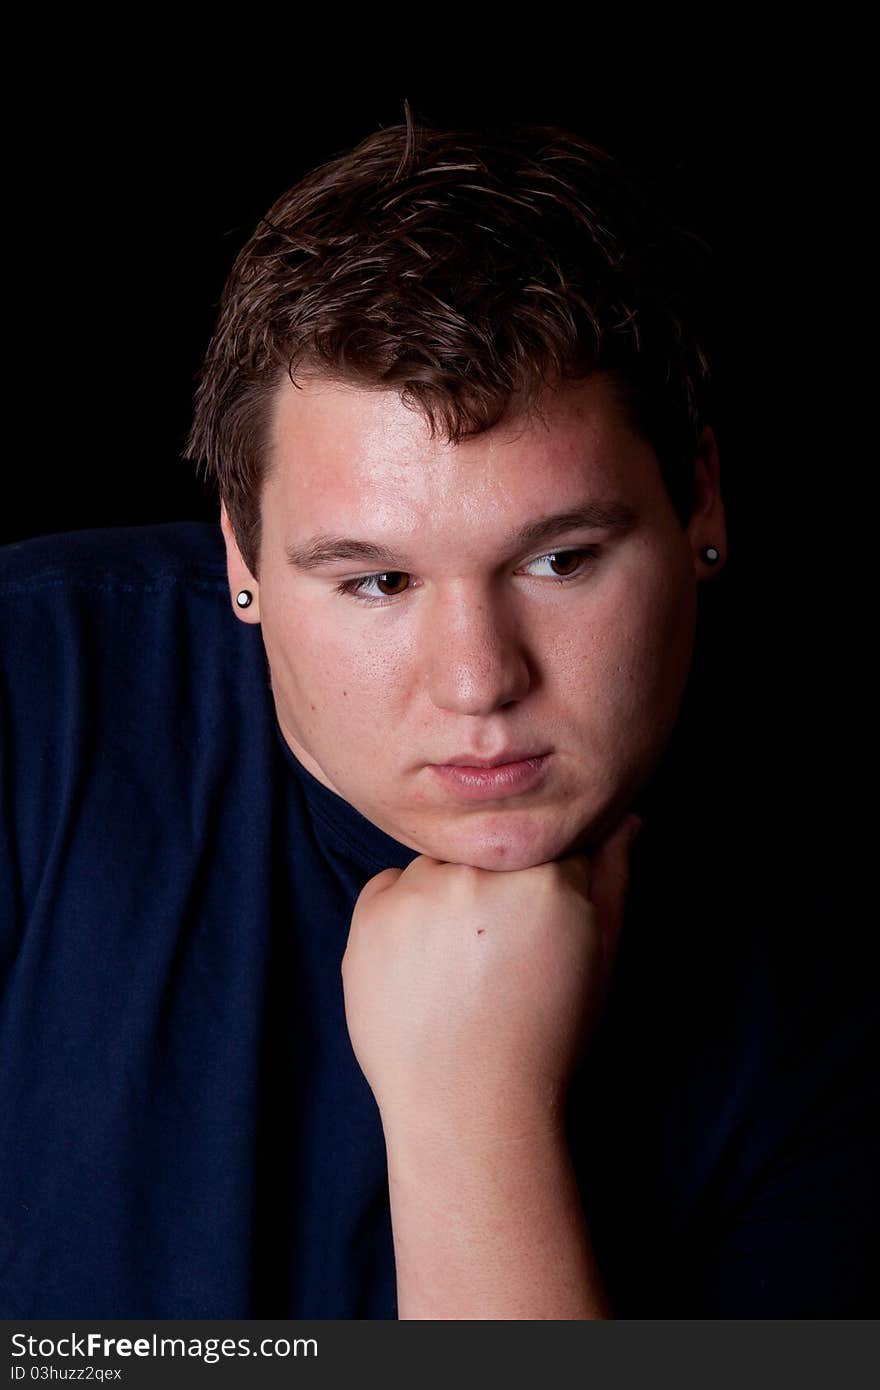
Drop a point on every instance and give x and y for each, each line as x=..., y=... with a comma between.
x=430, y=348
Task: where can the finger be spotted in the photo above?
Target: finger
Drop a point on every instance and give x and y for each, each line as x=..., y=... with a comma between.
x=609, y=882
x=386, y=879
x=577, y=869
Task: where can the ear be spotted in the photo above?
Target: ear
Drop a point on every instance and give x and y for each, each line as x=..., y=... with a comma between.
x=238, y=573
x=707, y=526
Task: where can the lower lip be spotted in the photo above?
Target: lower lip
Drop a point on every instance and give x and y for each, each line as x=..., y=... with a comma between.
x=483, y=783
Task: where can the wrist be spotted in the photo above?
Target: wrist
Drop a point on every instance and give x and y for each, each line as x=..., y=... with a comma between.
x=489, y=1225
x=444, y=1148
x=488, y=1127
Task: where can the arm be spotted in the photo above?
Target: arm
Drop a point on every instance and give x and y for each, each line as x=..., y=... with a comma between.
x=490, y=1229
x=470, y=996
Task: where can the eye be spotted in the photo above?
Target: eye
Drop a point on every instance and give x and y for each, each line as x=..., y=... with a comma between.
x=568, y=557
x=358, y=588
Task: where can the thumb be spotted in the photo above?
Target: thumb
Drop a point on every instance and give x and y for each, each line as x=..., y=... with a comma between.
x=609, y=881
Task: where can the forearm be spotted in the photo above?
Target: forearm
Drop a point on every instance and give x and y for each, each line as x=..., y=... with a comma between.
x=490, y=1230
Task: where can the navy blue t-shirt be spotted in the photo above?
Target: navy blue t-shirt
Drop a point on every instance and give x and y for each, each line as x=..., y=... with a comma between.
x=185, y=1131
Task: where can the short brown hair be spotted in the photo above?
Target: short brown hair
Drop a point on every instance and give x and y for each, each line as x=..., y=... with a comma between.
x=467, y=269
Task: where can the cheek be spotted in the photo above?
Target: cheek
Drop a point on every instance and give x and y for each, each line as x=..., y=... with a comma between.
x=330, y=680
x=634, y=650
x=659, y=654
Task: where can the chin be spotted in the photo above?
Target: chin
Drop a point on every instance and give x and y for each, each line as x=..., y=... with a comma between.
x=503, y=850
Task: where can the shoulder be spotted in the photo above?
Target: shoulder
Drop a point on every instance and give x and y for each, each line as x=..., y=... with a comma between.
x=122, y=671
x=133, y=555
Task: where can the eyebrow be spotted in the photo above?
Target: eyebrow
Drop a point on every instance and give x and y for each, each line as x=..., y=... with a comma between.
x=324, y=549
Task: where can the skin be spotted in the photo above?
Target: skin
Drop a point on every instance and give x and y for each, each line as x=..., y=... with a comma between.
x=476, y=648
x=473, y=978
x=510, y=968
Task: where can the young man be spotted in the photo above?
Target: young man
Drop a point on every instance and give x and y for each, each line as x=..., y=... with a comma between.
x=319, y=1000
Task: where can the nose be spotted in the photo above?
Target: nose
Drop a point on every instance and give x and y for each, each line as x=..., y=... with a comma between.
x=475, y=655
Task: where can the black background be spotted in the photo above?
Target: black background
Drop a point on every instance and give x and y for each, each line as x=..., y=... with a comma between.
x=137, y=183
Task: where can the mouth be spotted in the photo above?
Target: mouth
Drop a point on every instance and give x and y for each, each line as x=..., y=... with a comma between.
x=509, y=755
x=473, y=782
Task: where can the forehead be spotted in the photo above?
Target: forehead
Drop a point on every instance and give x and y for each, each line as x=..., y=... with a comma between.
x=341, y=453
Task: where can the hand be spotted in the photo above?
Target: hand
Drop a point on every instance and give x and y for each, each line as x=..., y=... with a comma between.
x=470, y=995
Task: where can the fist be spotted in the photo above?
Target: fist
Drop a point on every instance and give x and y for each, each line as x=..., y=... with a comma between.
x=470, y=995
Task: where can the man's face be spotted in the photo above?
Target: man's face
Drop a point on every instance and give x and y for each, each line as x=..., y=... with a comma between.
x=464, y=642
